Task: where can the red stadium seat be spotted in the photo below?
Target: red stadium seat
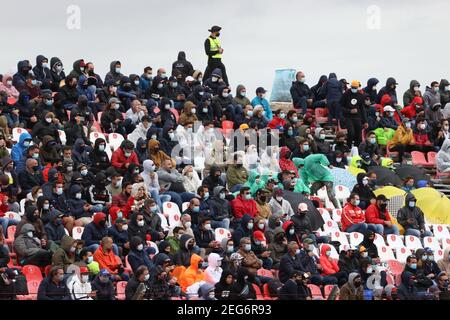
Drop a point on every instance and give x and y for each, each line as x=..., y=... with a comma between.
x=121, y=285
x=431, y=156
x=327, y=290
x=266, y=292
x=418, y=159
x=128, y=268
x=32, y=272
x=321, y=115
x=175, y=113
x=48, y=269
x=10, y=235
x=315, y=291
x=227, y=128
x=265, y=273
x=33, y=287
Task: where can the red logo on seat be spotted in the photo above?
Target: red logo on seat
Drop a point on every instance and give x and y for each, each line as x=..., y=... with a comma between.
x=383, y=249
x=176, y=218
x=169, y=205
x=337, y=234
x=403, y=250
x=429, y=240
x=221, y=231
x=439, y=228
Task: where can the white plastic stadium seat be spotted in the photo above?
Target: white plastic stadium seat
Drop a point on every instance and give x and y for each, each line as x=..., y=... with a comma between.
x=322, y=193
x=337, y=214
x=330, y=226
x=174, y=219
x=153, y=245
x=16, y=132
x=184, y=206
x=62, y=136
x=445, y=242
x=438, y=255
x=95, y=135
x=356, y=238
x=413, y=243
x=77, y=232
x=395, y=241
x=339, y=236
x=378, y=241
x=325, y=214
x=13, y=215
x=115, y=140
x=342, y=193
x=441, y=231
x=385, y=254
x=431, y=242
x=402, y=254
x=222, y=233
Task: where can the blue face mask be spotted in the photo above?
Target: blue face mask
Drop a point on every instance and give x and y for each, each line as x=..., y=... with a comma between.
x=206, y=196
x=306, y=147
x=290, y=133
x=413, y=266
x=412, y=204
x=250, y=113
x=196, y=209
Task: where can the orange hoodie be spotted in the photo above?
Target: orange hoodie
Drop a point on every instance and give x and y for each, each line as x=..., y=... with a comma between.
x=192, y=274
x=329, y=265
x=107, y=260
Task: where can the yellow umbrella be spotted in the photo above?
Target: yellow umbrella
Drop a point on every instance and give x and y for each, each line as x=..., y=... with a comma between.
x=354, y=171
x=426, y=193
x=390, y=192
x=435, y=210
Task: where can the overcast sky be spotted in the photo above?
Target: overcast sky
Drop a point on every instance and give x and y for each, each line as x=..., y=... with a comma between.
x=258, y=36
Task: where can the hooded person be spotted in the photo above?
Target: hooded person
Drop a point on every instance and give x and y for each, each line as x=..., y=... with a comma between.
x=240, y=98
x=56, y=72
x=32, y=216
x=80, y=152
x=41, y=70
x=254, y=181
x=223, y=287
x=114, y=73
x=98, y=156
x=363, y=190
x=29, y=248
x=48, y=151
x=182, y=66
x=183, y=256
x=408, y=289
x=193, y=274
x=219, y=204
x=371, y=89
x=138, y=255
x=214, y=271
x=412, y=92
x=285, y=161
x=6, y=85
x=54, y=227
x=19, y=149
x=95, y=231
x=411, y=218
x=65, y=255
x=322, y=146
x=443, y=157
x=245, y=229
x=432, y=102
x=156, y=154
x=318, y=96
x=188, y=114
x=389, y=89
x=206, y=292
x=369, y=245
x=353, y=289
x=79, y=208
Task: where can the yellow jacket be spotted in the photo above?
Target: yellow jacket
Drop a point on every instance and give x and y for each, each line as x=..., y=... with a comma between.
x=402, y=136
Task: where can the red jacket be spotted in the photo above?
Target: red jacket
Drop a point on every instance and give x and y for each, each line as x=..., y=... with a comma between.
x=373, y=215
x=351, y=215
x=276, y=122
x=286, y=164
x=421, y=138
x=241, y=206
x=329, y=265
x=3, y=207
x=123, y=203
x=118, y=159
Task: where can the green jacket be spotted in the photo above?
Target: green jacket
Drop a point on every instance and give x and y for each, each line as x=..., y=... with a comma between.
x=236, y=176
x=174, y=244
x=383, y=136
x=314, y=169
x=63, y=257
x=251, y=182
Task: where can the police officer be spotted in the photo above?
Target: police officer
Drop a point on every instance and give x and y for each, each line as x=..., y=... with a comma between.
x=214, y=52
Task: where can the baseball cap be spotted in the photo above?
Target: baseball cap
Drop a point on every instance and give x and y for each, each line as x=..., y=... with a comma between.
x=244, y=126
x=260, y=90
x=303, y=207
x=382, y=197
x=365, y=156
x=189, y=78
x=84, y=270
x=388, y=109
x=215, y=29
x=113, y=100
x=308, y=241
x=428, y=250
x=104, y=272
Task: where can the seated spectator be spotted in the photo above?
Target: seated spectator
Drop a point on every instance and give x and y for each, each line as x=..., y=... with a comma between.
x=194, y=273
x=444, y=263
x=295, y=288
x=244, y=204
x=353, y=289
x=103, y=286
x=411, y=218
x=353, y=218
x=53, y=286
x=330, y=266
x=378, y=214
x=222, y=289
x=108, y=260
x=81, y=287
x=65, y=255
x=30, y=249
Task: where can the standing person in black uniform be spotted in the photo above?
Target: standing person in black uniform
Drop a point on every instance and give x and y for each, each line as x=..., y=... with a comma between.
x=214, y=52
x=354, y=113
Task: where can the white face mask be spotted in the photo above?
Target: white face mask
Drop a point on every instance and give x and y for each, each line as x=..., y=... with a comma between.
x=193, y=111
x=140, y=223
x=205, y=110
x=46, y=206
x=214, y=79
x=125, y=227
x=118, y=70
x=84, y=172
x=140, y=247
x=59, y=191
x=422, y=126
x=49, y=120
x=127, y=154
x=101, y=147
x=225, y=94
x=116, y=106
x=261, y=225
x=30, y=234
x=364, y=254
x=189, y=130
x=136, y=82
x=188, y=224
x=171, y=135
x=90, y=259
x=167, y=106
x=78, y=195
x=84, y=278
x=279, y=199
x=160, y=85
x=9, y=83
x=147, y=277
x=69, y=169
x=208, y=226
x=416, y=88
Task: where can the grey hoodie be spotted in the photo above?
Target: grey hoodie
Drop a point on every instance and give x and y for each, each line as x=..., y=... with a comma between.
x=432, y=104
x=443, y=157
x=24, y=245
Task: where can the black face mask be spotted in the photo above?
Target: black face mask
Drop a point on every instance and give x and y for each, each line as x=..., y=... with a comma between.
x=190, y=246
x=383, y=206
x=288, y=155
x=32, y=218
x=263, y=198
x=102, y=223
x=357, y=283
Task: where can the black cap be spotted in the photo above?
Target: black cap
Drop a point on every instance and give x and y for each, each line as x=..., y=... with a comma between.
x=382, y=197
x=260, y=90
x=215, y=29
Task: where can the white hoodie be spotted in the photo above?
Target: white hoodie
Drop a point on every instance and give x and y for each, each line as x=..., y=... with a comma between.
x=213, y=272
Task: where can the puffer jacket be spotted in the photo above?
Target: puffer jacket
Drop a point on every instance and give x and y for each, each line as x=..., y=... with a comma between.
x=63, y=257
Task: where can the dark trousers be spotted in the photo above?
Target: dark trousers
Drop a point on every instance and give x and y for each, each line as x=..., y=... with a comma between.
x=213, y=64
x=334, y=111
x=401, y=149
x=41, y=259
x=354, y=130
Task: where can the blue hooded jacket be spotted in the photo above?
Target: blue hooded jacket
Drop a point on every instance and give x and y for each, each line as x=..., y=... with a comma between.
x=18, y=150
